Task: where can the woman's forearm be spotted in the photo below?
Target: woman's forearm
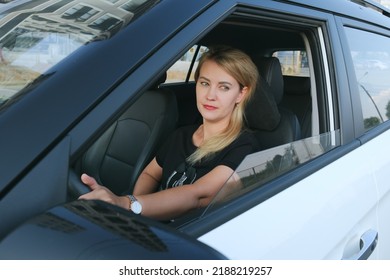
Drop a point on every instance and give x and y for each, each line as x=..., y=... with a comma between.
x=170, y=203
x=149, y=180
x=145, y=184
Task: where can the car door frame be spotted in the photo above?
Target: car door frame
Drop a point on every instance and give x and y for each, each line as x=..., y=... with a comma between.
x=379, y=134
x=295, y=233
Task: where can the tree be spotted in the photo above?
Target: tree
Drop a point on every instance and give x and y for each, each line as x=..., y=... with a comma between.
x=388, y=110
x=371, y=122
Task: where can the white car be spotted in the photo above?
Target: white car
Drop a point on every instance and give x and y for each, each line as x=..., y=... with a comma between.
x=80, y=91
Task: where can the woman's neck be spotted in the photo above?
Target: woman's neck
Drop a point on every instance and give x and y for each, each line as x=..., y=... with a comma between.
x=206, y=131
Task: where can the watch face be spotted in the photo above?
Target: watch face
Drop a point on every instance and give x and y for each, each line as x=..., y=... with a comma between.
x=136, y=207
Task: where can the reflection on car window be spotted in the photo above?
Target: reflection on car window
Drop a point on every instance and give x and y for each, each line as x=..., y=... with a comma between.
x=260, y=168
x=35, y=37
x=371, y=58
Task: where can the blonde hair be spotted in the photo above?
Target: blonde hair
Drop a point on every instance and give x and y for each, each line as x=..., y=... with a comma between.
x=240, y=66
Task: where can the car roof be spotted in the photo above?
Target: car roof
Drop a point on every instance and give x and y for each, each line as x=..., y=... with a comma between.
x=238, y=32
x=375, y=12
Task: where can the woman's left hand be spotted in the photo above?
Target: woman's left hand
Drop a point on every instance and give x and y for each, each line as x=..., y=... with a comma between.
x=99, y=192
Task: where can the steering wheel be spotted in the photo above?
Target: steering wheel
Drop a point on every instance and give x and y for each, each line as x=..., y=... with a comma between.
x=76, y=187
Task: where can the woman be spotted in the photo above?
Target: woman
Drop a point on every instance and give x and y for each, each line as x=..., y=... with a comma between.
x=193, y=165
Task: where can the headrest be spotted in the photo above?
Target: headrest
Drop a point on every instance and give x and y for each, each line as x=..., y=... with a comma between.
x=296, y=85
x=271, y=71
x=262, y=112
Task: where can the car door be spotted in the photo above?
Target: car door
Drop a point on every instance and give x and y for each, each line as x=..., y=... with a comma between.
x=322, y=216
x=326, y=207
x=368, y=47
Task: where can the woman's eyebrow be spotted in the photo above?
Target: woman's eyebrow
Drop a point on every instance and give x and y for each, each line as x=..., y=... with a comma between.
x=204, y=78
x=220, y=83
x=225, y=83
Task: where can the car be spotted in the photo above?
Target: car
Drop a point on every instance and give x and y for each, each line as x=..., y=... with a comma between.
x=96, y=86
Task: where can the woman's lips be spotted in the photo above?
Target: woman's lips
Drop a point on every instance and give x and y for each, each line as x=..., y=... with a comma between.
x=209, y=107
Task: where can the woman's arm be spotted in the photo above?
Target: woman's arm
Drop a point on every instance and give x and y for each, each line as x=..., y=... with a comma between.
x=173, y=202
x=149, y=180
x=170, y=203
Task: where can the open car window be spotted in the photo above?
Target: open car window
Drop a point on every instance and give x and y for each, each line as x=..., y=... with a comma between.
x=303, y=94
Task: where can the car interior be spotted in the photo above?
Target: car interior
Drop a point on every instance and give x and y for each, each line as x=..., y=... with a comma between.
x=280, y=112
x=117, y=157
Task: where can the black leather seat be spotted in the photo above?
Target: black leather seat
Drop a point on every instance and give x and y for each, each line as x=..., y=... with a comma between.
x=118, y=157
x=274, y=125
x=297, y=97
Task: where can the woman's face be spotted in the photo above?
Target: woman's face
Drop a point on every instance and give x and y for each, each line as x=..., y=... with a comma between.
x=217, y=92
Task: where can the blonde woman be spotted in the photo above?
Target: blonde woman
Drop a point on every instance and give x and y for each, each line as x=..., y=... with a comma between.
x=196, y=161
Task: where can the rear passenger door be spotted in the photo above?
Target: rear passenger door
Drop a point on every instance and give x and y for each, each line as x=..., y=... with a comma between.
x=321, y=202
x=369, y=56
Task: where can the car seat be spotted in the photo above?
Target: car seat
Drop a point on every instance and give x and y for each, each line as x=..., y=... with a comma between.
x=274, y=125
x=297, y=97
x=117, y=158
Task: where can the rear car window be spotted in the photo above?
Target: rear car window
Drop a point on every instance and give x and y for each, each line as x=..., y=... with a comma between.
x=293, y=62
x=371, y=58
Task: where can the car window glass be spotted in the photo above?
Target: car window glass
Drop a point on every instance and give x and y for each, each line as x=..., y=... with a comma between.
x=371, y=58
x=184, y=69
x=293, y=63
x=34, y=39
x=261, y=167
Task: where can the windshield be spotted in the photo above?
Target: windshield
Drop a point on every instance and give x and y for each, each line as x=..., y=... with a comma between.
x=36, y=35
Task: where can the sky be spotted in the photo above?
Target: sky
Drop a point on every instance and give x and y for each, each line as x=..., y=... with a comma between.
x=385, y=3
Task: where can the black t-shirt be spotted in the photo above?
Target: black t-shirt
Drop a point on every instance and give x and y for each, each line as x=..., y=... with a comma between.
x=173, y=154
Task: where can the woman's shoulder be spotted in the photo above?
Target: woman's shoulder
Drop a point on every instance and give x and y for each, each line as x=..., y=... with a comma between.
x=247, y=137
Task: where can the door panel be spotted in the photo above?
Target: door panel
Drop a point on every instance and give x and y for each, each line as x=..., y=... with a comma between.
x=321, y=217
x=381, y=166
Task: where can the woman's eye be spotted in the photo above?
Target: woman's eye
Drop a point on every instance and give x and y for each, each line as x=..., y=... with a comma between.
x=224, y=88
x=205, y=84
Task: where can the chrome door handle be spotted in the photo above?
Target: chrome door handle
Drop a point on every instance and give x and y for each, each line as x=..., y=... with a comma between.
x=368, y=242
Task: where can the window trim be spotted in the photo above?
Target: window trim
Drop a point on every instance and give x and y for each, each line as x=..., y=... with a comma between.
x=329, y=93
x=342, y=23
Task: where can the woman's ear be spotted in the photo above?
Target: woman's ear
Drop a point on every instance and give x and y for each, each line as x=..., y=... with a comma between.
x=242, y=94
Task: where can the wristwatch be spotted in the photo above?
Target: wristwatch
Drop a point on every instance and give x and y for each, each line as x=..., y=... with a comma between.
x=135, y=206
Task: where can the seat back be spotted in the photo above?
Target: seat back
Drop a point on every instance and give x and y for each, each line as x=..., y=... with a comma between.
x=297, y=97
x=118, y=157
x=281, y=125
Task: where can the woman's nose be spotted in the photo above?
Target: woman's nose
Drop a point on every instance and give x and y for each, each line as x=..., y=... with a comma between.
x=211, y=94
